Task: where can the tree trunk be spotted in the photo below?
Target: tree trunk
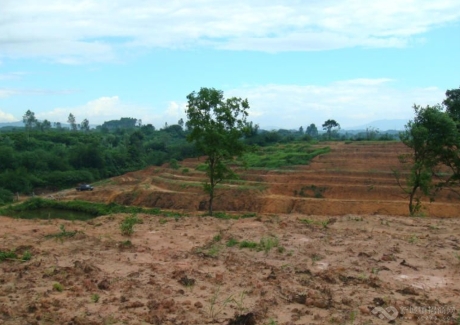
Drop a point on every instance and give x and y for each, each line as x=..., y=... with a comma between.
x=211, y=198
x=411, y=201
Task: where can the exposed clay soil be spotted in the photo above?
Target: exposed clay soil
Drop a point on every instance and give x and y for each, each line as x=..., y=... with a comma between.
x=355, y=178
x=346, y=254
x=174, y=270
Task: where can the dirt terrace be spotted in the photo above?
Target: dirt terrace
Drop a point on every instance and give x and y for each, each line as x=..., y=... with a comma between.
x=354, y=178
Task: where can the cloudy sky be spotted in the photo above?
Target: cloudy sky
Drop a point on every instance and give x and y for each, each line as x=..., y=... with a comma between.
x=296, y=61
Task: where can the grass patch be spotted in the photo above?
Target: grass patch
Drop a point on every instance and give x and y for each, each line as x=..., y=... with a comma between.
x=280, y=155
x=248, y=244
x=62, y=234
x=311, y=223
x=58, y=287
x=11, y=255
x=232, y=242
x=127, y=225
x=226, y=216
x=5, y=255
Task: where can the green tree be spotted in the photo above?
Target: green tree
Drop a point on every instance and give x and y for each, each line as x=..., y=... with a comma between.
x=329, y=125
x=45, y=125
x=312, y=130
x=72, y=122
x=30, y=121
x=216, y=126
x=434, y=141
x=452, y=104
x=372, y=133
x=84, y=125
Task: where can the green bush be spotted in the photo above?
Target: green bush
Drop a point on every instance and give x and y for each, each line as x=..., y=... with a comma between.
x=4, y=255
x=127, y=225
x=174, y=164
x=6, y=196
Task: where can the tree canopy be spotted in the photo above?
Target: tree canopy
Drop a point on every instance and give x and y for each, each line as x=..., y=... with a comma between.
x=216, y=126
x=434, y=161
x=329, y=125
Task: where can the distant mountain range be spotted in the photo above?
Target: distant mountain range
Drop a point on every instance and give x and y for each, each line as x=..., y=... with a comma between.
x=382, y=125
x=12, y=124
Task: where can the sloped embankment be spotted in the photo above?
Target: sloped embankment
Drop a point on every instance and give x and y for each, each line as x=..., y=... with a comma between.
x=354, y=178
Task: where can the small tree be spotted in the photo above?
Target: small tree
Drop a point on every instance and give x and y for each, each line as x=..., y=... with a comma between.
x=216, y=126
x=71, y=121
x=452, y=104
x=85, y=125
x=45, y=125
x=434, y=141
x=312, y=130
x=30, y=121
x=329, y=125
x=372, y=133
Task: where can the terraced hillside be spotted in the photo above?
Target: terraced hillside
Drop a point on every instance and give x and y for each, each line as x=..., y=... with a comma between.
x=353, y=178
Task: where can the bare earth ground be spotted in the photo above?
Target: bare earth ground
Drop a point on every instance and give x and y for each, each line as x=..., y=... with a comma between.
x=344, y=252
x=324, y=271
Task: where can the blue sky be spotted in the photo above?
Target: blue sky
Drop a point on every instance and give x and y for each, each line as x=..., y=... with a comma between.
x=297, y=62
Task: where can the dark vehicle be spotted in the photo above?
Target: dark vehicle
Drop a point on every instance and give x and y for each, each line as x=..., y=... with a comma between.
x=84, y=187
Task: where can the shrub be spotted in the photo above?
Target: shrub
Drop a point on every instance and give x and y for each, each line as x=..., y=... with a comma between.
x=174, y=164
x=5, y=196
x=127, y=225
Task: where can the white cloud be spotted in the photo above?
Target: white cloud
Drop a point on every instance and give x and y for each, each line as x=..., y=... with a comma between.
x=75, y=31
x=7, y=92
x=350, y=102
x=105, y=109
x=6, y=117
x=96, y=111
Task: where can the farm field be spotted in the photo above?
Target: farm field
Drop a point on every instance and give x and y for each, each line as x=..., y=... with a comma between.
x=326, y=243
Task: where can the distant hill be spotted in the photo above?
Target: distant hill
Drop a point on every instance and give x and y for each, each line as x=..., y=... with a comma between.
x=12, y=124
x=382, y=125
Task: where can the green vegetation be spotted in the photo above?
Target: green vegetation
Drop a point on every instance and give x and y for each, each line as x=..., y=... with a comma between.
x=36, y=158
x=216, y=127
x=11, y=255
x=248, y=244
x=281, y=155
x=95, y=297
x=232, y=242
x=310, y=223
x=223, y=215
x=331, y=126
x=127, y=225
x=265, y=244
x=91, y=208
x=434, y=163
x=5, y=255
x=63, y=233
x=58, y=287
x=44, y=156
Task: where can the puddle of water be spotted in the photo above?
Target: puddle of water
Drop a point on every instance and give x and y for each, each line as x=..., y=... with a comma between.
x=49, y=213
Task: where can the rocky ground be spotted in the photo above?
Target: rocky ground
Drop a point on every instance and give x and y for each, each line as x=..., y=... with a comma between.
x=268, y=269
